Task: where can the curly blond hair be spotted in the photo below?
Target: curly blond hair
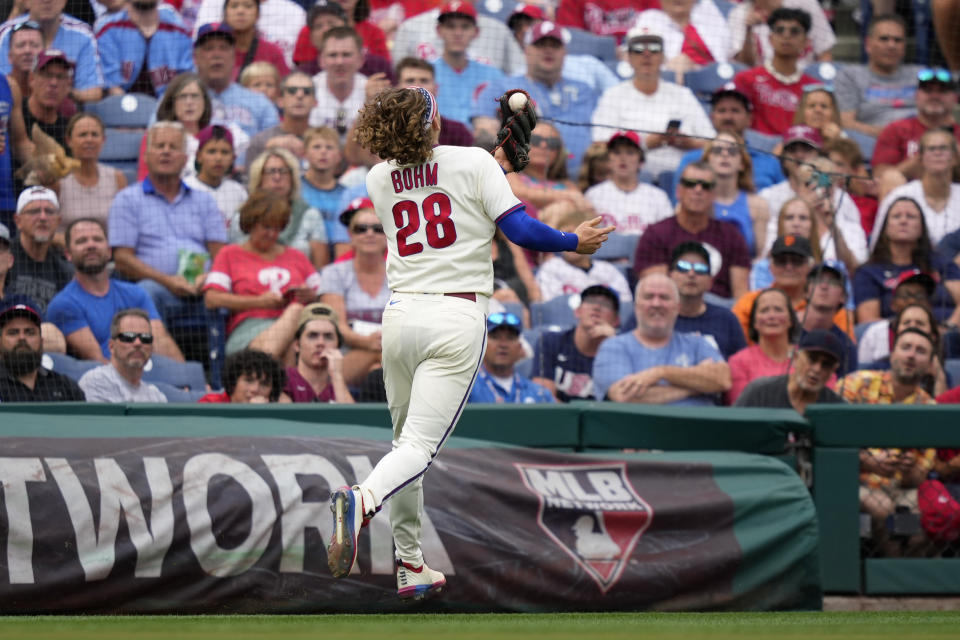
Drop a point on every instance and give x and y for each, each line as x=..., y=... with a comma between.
x=391, y=126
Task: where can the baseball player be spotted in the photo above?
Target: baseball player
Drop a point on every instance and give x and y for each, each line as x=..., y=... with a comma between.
x=439, y=206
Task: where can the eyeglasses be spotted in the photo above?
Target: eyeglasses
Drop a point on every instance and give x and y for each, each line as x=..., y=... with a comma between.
x=646, y=47
x=29, y=24
x=551, y=141
x=690, y=183
x=684, y=266
x=725, y=150
x=499, y=319
x=792, y=259
x=825, y=360
x=129, y=337
x=47, y=211
x=937, y=74
x=363, y=228
x=788, y=31
x=937, y=148
x=277, y=171
x=189, y=96
x=293, y=91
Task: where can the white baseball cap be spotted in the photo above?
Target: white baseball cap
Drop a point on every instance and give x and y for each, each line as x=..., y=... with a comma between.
x=32, y=194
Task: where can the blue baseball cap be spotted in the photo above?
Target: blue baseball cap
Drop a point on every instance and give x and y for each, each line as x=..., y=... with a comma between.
x=19, y=306
x=823, y=341
x=602, y=290
x=504, y=319
x=211, y=29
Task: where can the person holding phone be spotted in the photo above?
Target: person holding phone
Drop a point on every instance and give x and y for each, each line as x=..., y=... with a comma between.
x=263, y=283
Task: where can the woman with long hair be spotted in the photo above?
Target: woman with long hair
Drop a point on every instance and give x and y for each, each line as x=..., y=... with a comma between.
x=794, y=218
x=818, y=108
x=186, y=101
x=773, y=332
x=87, y=192
x=250, y=45
x=903, y=244
x=278, y=170
x=734, y=197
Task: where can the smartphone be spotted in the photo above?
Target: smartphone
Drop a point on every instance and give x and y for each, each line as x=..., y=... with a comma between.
x=673, y=126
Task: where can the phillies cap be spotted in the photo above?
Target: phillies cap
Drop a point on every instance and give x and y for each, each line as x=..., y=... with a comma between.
x=797, y=245
x=918, y=276
x=355, y=205
x=631, y=136
x=601, y=290
x=458, y=8
x=529, y=10
x=803, y=133
x=19, y=306
x=545, y=29
x=50, y=55
x=206, y=134
x=823, y=341
x=32, y=194
x=214, y=29
x=324, y=8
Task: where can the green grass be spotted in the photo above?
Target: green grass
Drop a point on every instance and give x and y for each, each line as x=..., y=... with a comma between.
x=679, y=626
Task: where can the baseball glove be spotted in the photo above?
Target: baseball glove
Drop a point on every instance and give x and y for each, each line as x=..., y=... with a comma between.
x=515, y=128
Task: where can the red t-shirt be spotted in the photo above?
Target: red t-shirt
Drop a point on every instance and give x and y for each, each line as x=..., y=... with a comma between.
x=266, y=52
x=774, y=103
x=300, y=390
x=221, y=397
x=949, y=397
x=374, y=41
x=236, y=270
x=603, y=17
x=900, y=140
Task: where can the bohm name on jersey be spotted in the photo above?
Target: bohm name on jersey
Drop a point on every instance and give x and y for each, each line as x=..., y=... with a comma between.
x=423, y=175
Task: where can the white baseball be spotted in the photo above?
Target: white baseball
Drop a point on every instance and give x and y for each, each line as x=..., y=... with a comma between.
x=517, y=102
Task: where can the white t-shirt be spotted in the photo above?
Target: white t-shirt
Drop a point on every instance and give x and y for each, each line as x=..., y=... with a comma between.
x=230, y=196
x=624, y=107
x=557, y=277
x=821, y=37
x=939, y=223
x=331, y=112
x=105, y=384
x=631, y=211
x=280, y=22
x=874, y=343
x=848, y=222
x=705, y=17
x=455, y=199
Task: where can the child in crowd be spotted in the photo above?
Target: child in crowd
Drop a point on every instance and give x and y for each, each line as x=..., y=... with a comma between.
x=214, y=162
x=320, y=188
x=262, y=77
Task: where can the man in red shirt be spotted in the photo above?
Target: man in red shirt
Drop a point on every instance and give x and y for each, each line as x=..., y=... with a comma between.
x=603, y=17
x=895, y=158
x=775, y=87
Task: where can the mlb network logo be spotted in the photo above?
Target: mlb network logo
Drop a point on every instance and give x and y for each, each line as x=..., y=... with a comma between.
x=592, y=512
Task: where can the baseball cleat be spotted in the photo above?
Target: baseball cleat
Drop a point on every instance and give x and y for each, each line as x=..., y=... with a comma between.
x=347, y=508
x=417, y=583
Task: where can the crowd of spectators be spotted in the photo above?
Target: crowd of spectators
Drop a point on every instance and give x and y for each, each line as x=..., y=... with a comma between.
x=769, y=230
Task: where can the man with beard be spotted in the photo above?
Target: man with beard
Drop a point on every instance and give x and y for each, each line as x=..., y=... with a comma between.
x=38, y=271
x=817, y=357
x=318, y=376
x=22, y=379
x=85, y=310
x=655, y=364
x=910, y=359
x=131, y=343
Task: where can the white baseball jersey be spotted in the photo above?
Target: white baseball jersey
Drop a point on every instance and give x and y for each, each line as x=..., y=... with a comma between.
x=439, y=218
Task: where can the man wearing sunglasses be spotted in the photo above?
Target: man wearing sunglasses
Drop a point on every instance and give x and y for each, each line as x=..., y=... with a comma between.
x=896, y=158
x=120, y=380
x=497, y=380
x=694, y=222
x=873, y=95
x=297, y=100
x=690, y=271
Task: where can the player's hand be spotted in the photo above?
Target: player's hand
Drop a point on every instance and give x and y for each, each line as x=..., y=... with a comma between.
x=590, y=236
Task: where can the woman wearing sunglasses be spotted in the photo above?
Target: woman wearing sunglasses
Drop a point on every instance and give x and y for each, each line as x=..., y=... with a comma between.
x=772, y=331
x=734, y=197
x=356, y=289
x=262, y=282
x=278, y=170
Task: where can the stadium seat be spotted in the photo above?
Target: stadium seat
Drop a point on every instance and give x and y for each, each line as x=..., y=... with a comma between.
x=619, y=247
x=121, y=150
x=952, y=368
x=825, y=72
x=175, y=395
x=581, y=42
x=705, y=80
x=499, y=10
x=761, y=141
x=555, y=314
x=130, y=111
x=187, y=375
x=68, y=365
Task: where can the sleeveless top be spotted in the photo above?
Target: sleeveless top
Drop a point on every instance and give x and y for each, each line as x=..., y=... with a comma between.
x=739, y=214
x=78, y=201
x=7, y=197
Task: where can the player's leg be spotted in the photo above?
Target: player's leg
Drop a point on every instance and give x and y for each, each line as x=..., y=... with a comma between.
x=415, y=580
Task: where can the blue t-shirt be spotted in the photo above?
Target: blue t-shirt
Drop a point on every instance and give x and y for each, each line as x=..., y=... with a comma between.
x=738, y=214
x=7, y=200
x=718, y=326
x=623, y=355
x=521, y=391
x=329, y=202
x=458, y=90
x=75, y=38
x=557, y=358
x=74, y=308
x=876, y=281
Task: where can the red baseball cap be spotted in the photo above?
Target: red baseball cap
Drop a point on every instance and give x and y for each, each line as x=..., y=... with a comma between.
x=803, y=133
x=458, y=8
x=545, y=29
x=355, y=205
x=529, y=10
x=918, y=276
x=632, y=136
x=49, y=55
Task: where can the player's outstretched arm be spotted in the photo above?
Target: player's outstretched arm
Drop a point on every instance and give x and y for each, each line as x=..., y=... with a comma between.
x=590, y=236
